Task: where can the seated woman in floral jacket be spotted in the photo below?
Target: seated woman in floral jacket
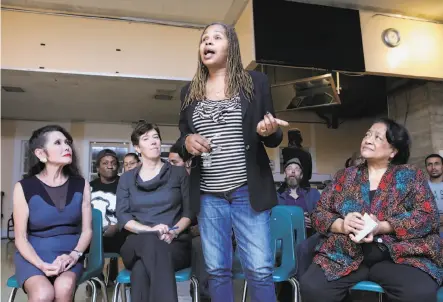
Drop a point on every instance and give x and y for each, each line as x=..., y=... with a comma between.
x=403, y=254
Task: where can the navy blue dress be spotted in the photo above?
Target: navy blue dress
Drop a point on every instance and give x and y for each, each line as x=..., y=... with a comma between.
x=51, y=231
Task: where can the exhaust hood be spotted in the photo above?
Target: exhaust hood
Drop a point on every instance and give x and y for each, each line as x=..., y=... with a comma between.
x=306, y=93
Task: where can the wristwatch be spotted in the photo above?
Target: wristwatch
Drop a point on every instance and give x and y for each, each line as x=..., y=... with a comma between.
x=80, y=254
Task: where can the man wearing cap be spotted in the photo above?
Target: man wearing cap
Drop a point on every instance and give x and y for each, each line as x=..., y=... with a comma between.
x=103, y=198
x=294, y=193
x=296, y=150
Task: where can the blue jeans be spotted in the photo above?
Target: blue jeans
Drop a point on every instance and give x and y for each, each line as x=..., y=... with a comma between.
x=219, y=214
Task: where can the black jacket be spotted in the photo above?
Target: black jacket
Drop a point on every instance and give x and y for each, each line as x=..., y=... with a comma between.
x=260, y=180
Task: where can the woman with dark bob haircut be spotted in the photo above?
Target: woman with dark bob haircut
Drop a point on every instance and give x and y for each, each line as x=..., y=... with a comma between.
x=52, y=218
x=153, y=207
x=403, y=254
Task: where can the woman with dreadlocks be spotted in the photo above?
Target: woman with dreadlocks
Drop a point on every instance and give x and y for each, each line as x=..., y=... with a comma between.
x=225, y=122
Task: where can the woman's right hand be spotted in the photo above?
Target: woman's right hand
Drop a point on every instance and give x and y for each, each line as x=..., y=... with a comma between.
x=197, y=144
x=353, y=223
x=50, y=269
x=161, y=229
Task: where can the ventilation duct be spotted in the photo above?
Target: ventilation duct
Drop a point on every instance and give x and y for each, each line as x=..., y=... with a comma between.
x=306, y=93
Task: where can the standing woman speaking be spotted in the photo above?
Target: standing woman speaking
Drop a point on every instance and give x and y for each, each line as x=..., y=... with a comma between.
x=225, y=123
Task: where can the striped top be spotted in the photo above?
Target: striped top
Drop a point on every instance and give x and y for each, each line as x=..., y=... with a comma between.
x=221, y=122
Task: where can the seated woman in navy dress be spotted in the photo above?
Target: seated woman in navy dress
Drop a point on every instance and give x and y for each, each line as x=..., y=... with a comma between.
x=52, y=218
x=153, y=207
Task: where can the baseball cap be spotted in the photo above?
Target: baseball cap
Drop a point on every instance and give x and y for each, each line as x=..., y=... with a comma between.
x=106, y=152
x=294, y=160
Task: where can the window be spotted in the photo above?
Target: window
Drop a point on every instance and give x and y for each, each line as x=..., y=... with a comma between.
x=282, y=162
x=25, y=163
x=121, y=149
x=165, y=148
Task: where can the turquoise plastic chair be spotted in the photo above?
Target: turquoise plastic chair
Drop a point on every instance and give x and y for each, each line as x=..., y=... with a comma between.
x=94, y=265
x=124, y=279
x=109, y=256
x=370, y=286
x=287, y=230
x=374, y=287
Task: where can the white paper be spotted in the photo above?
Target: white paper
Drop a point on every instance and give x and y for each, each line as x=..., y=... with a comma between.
x=370, y=225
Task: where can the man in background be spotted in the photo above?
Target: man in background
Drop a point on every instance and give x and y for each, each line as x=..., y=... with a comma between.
x=130, y=161
x=434, y=167
x=295, y=194
x=103, y=198
x=296, y=150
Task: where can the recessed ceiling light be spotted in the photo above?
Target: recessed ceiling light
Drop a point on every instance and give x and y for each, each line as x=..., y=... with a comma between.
x=163, y=97
x=12, y=89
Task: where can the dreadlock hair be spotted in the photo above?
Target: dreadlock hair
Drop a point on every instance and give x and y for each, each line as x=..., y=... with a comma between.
x=237, y=78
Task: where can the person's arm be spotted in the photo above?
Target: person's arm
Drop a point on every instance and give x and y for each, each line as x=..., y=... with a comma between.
x=312, y=197
x=324, y=218
x=338, y=226
x=124, y=217
x=280, y=199
x=86, y=234
x=21, y=216
x=187, y=215
x=275, y=139
x=420, y=215
x=111, y=230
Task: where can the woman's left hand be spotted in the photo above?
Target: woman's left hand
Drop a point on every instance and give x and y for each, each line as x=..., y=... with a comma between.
x=73, y=261
x=269, y=125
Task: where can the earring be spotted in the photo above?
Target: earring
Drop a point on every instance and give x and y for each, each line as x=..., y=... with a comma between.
x=44, y=160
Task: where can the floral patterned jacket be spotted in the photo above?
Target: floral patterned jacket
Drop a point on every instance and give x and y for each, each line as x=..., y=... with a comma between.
x=403, y=198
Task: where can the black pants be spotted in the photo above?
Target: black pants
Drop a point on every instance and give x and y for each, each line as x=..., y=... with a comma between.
x=199, y=268
x=401, y=283
x=153, y=263
x=113, y=245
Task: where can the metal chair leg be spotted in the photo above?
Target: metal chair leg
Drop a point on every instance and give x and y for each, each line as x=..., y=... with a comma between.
x=296, y=288
x=124, y=293
x=12, y=295
x=380, y=297
x=245, y=291
x=108, y=269
x=102, y=287
x=94, y=290
x=116, y=292
x=195, y=289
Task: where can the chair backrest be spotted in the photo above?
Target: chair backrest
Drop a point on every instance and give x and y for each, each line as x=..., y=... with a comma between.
x=95, y=257
x=287, y=230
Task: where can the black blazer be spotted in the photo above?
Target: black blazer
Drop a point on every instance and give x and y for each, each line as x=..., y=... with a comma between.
x=262, y=191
